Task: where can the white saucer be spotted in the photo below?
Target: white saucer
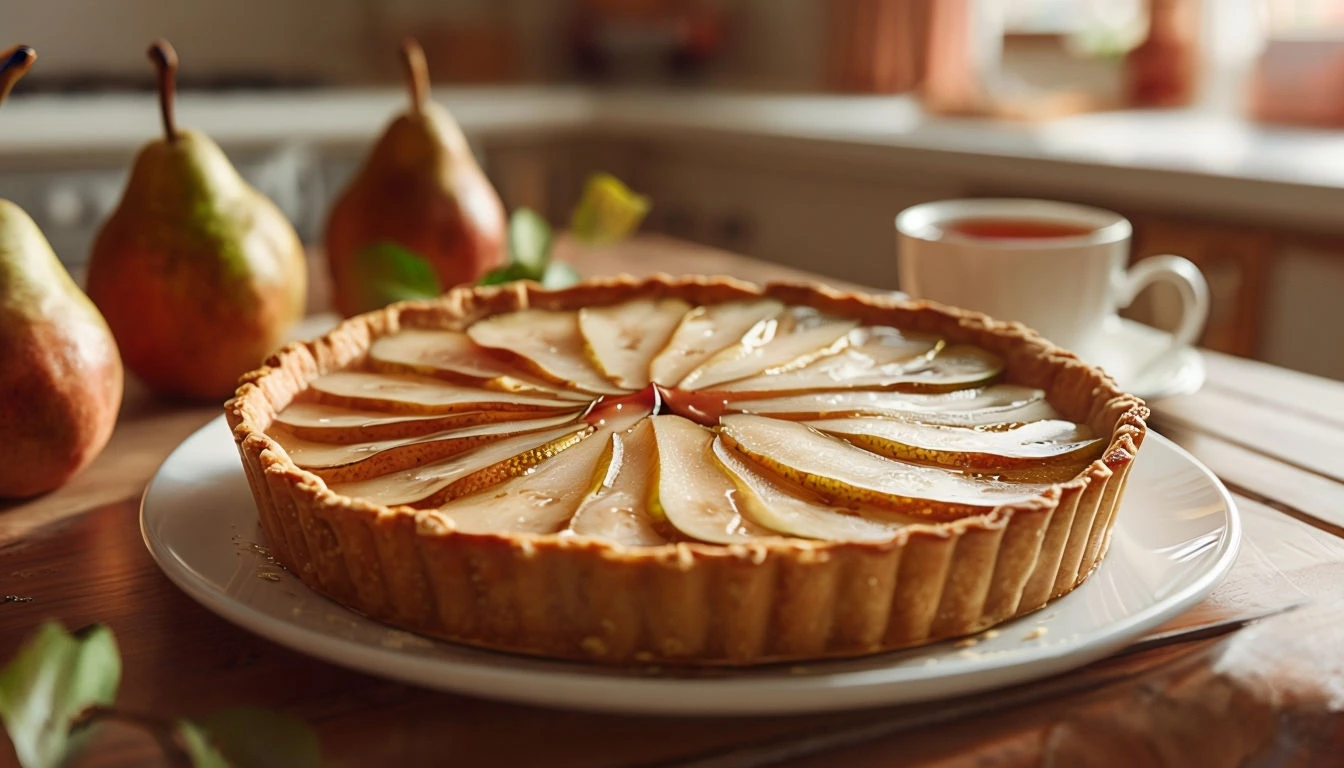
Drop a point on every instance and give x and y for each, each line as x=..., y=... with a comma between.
x=1177, y=536
x=1133, y=353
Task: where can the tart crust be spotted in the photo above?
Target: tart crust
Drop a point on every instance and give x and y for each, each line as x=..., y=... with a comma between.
x=688, y=603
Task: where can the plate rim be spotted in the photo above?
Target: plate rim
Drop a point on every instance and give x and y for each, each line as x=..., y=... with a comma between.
x=721, y=695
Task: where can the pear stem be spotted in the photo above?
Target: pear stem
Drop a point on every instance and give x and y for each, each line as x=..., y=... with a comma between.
x=17, y=60
x=417, y=73
x=165, y=61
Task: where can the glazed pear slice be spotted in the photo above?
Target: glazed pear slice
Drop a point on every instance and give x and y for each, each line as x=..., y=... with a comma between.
x=452, y=355
x=333, y=424
x=788, y=511
x=705, y=331
x=791, y=339
x=358, y=460
x=691, y=492
x=1050, y=443
x=401, y=394
x=994, y=404
x=843, y=472
x=623, y=338
x=545, y=499
x=615, y=509
x=432, y=484
x=943, y=370
x=547, y=341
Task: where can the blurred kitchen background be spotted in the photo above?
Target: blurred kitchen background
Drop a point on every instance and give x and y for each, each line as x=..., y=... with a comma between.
x=789, y=130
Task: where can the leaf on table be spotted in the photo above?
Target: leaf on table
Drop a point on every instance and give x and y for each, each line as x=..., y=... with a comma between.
x=529, y=244
x=52, y=680
x=251, y=737
x=505, y=274
x=388, y=272
x=560, y=275
x=607, y=212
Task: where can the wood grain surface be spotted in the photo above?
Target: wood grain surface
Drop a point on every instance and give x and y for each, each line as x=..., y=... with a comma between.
x=1270, y=694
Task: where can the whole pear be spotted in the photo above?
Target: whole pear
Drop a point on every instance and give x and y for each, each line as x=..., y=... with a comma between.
x=60, y=375
x=420, y=189
x=199, y=275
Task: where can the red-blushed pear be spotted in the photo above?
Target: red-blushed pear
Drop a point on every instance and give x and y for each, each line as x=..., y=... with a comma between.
x=419, y=201
x=60, y=374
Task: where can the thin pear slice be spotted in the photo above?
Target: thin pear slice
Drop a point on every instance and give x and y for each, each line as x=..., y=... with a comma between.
x=358, y=460
x=704, y=331
x=452, y=355
x=841, y=471
x=623, y=338
x=792, y=339
x=616, y=509
x=947, y=369
x=545, y=499
x=434, y=483
x=547, y=341
x=994, y=404
x=1049, y=443
x=392, y=393
x=334, y=424
x=691, y=491
x=788, y=511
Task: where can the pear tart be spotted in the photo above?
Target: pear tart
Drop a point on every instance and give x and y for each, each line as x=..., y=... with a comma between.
x=694, y=471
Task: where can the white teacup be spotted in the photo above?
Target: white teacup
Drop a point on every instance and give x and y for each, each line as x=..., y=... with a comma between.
x=1058, y=268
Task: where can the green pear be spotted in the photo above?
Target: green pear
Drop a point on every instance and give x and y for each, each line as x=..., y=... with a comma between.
x=60, y=374
x=200, y=276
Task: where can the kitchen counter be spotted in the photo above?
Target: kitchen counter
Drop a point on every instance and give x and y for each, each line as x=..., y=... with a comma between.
x=1198, y=162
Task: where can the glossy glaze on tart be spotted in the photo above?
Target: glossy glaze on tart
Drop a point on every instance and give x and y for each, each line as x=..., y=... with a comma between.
x=694, y=471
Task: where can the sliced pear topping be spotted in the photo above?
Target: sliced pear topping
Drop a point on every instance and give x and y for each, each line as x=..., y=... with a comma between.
x=622, y=339
x=434, y=483
x=334, y=424
x=358, y=460
x=791, y=339
x=967, y=407
x=841, y=471
x=616, y=508
x=704, y=331
x=939, y=369
x=454, y=356
x=789, y=511
x=691, y=491
x=394, y=393
x=991, y=447
x=549, y=342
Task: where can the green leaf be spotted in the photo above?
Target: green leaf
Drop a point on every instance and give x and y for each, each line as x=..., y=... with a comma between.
x=608, y=211
x=54, y=678
x=255, y=738
x=506, y=274
x=388, y=272
x=529, y=243
x=560, y=275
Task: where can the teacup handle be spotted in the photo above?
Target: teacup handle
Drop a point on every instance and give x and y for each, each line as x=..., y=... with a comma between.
x=1189, y=282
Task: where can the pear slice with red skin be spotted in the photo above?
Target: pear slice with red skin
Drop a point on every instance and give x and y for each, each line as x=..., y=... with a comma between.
x=1015, y=446
x=703, y=332
x=359, y=460
x=548, y=342
x=947, y=369
x=334, y=424
x=691, y=492
x=844, y=472
x=615, y=508
x=995, y=404
x=406, y=394
x=790, y=511
x=545, y=499
x=792, y=339
x=453, y=356
x=622, y=339
x=432, y=484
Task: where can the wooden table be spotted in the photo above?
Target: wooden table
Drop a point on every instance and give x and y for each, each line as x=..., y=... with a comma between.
x=1269, y=694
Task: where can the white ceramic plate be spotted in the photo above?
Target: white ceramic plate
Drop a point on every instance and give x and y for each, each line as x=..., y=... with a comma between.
x=1126, y=350
x=1176, y=537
